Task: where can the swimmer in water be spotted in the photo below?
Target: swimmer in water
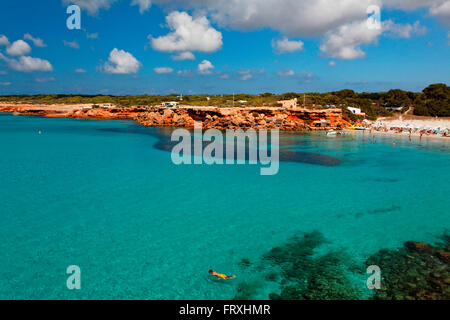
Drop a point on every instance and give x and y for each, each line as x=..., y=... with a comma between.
x=220, y=275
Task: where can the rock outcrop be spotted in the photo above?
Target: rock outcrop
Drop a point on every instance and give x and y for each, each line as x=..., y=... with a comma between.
x=288, y=119
x=292, y=119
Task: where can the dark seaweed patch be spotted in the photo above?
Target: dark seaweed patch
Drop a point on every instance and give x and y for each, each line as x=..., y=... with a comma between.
x=417, y=271
x=247, y=290
x=245, y=263
x=303, y=275
x=385, y=210
x=164, y=143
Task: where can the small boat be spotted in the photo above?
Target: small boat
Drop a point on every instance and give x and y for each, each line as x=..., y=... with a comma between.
x=331, y=133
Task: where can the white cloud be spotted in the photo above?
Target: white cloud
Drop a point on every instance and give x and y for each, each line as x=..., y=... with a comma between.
x=3, y=72
x=5, y=84
x=345, y=42
x=71, y=44
x=245, y=75
x=437, y=8
x=18, y=48
x=305, y=77
x=286, y=73
x=27, y=64
x=184, y=56
x=332, y=63
x=91, y=6
x=92, y=35
x=80, y=70
x=4, y=41
x=185, y=73
x=410, y=4
x=144, y=5
x=248, y=74
x=284, y=45
x=291, y=17
x=36, y=41
x=188, y=34
x=44, y=80
x=404, y=30
x=163, y=70
x=205, y=67
x=121, y=62
x=441, y=11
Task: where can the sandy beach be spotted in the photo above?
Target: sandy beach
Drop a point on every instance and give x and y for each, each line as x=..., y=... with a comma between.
x=412, y=126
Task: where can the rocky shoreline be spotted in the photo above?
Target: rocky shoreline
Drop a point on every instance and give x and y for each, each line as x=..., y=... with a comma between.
x=286, y=119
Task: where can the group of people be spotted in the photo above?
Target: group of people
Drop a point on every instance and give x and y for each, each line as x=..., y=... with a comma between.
x=444, y=132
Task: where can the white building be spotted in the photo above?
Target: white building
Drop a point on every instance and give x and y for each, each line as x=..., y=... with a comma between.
x=170, y=104
x=356, y=111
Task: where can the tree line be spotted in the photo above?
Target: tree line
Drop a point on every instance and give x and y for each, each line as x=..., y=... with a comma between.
x=432, y=101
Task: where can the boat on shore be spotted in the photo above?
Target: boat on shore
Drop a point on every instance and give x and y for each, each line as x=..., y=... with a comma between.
x=333, y=133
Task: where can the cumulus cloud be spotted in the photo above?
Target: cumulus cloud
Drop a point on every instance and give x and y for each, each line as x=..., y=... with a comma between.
x=188, y=34
x=205, y=67
x=291, y=17
x=71, y=44
x=80, y=70
x=284, y=45
x=437, y=8
x=5, y=83
x=163, y=70
x=286, y=73
x=332, y=63
x=404, y=30
x=441, y=11
x=345, y=42
x=91, y=6
x=121, y=62
x=144, y=5
x=36, y=41
x=18, y=48
x=4, y=41
x=27, y=64
x=248, y=74
x=184, y=56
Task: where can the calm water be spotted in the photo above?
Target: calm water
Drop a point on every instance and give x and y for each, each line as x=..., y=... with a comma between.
x=100, y=195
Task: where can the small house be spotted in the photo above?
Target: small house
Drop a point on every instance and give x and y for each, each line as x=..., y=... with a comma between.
x=288, y=103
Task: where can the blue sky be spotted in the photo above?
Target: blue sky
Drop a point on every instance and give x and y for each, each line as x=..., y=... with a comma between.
x=280, y=46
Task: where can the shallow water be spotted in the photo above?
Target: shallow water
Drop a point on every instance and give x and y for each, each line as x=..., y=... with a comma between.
x=101, y=195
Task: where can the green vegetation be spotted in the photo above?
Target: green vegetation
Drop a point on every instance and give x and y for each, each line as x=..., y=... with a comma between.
x=433, y=101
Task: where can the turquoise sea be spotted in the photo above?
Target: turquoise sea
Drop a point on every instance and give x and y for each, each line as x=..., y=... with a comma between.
x=100, y=195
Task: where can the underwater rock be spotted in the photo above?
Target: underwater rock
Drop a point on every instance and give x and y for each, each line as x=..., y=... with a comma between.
x=418, y=246
x=303, y=275
x=247, y=290
x=245, y=262
x=417, y=271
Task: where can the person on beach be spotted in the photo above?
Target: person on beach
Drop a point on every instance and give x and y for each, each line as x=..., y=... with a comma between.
x=220, y=275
